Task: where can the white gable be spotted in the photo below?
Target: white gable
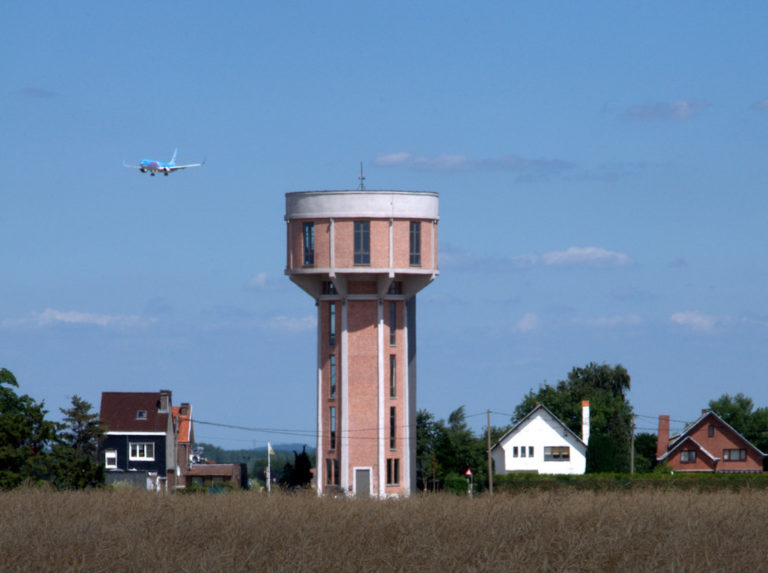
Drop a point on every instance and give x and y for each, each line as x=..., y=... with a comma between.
x=538, y=444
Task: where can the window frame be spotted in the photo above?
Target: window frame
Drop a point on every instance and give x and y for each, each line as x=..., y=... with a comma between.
x=332, y=323
x=414, y=242
x=134, y=449
x=728, y=454
x=332, y=427
x=557, y=453
x=362, y=243
x=332, y=375
x=109, y=453
x=392, y=425
x=393, y=471
x=308, y=243
x=688, y=456
x=393, y=376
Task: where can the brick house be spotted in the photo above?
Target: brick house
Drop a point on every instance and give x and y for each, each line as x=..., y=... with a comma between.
x=139, y=446
x=707, y=445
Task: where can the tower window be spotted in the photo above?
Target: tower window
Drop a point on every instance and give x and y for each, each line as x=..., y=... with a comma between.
x=332, y=324
x=329, y=287
x=308, y=230
x=392, y=376
x=392, y=322
x=362, y=242
x=332, y=444
x=393, y=471
x=332, y=368
x=415, y=242
x=392, y=428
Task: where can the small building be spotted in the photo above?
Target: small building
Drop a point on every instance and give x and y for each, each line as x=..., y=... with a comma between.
x=541, y=443
x=708, y=445
x=185, y=439
x=213, y=475
x=139, y=446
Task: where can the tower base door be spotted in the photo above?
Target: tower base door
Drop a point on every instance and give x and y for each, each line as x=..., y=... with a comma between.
x=362, y=483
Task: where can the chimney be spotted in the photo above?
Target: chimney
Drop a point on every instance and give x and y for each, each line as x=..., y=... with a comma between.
x=165, y=400
x=662, y=440
x=585, y=421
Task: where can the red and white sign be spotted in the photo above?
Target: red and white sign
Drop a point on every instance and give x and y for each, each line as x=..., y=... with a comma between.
x=468, y=473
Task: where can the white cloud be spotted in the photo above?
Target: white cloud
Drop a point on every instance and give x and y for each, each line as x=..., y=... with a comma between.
x=258, y=281
x=51, y=317
x=590, y=257
x=577, y=257
x=674, y=110
x=525, y=168
x=694, y=320
x=528, y=323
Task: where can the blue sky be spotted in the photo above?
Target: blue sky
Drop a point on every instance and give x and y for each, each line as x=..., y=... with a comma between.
x=601, y=170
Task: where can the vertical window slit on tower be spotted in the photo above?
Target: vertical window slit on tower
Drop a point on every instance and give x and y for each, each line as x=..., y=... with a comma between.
x=332, y=368
x=392, y=428
x=308, y=231
x=362, y=240
x=332, y=324
x=392, y=376
x=332, y=444
x=415, y=243
x=392, y=322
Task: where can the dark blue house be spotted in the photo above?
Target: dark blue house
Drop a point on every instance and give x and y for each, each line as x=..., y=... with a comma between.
x=139, y=446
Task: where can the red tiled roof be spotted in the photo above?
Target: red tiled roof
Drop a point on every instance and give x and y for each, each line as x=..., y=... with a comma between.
x=119, y=412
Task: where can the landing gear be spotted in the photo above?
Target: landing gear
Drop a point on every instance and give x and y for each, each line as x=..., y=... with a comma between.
x=152, y=174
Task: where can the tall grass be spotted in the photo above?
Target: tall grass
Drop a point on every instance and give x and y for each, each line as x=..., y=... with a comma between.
x=129, y=530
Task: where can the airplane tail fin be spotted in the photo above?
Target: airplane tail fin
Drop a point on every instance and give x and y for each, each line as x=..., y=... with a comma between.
x=173, y=159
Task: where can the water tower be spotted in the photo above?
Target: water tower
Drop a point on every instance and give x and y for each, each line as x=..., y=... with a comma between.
x=363, y=256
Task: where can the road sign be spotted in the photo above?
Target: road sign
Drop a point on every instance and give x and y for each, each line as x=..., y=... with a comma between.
x=468, y=472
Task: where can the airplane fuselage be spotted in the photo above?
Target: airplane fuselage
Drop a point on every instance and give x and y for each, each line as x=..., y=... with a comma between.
x=152, y=166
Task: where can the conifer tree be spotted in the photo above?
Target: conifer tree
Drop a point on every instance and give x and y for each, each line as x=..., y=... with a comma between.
x=25, y=436
x=76, y=451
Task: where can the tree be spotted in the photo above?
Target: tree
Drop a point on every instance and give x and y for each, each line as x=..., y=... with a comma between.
x=739, y=412
x=76, y=450
x=645, y=452
x=427, y=435
x=25, y=435
x=610, y=413
x=298, y=474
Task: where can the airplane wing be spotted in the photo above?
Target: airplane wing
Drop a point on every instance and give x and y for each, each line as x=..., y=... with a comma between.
x=131, y=166
x=176, y=167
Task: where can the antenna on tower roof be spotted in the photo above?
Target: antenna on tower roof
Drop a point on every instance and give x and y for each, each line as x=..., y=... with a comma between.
x=361, y=177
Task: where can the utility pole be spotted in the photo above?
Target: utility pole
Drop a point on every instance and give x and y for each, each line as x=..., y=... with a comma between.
x=632, y=448
x=490, y=462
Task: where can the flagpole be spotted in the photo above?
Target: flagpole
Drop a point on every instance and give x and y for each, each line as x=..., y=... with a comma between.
x=269, y=468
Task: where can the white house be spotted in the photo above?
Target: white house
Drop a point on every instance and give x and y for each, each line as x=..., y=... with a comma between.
x=541, y=443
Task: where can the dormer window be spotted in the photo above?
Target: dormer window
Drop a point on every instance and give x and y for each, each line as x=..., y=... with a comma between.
x=141, y=414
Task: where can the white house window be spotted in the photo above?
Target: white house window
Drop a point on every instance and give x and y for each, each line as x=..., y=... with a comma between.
x=688, y=456
x=530, y=451
x=522, y=451
x=110, y=459
x=142, y=451
x=514, y=451
x=557, y=453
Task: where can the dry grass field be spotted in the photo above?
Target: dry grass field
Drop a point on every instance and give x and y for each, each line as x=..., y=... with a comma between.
x=537, y=531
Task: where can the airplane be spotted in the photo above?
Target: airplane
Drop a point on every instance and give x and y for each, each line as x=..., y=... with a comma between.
x=152, y=166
